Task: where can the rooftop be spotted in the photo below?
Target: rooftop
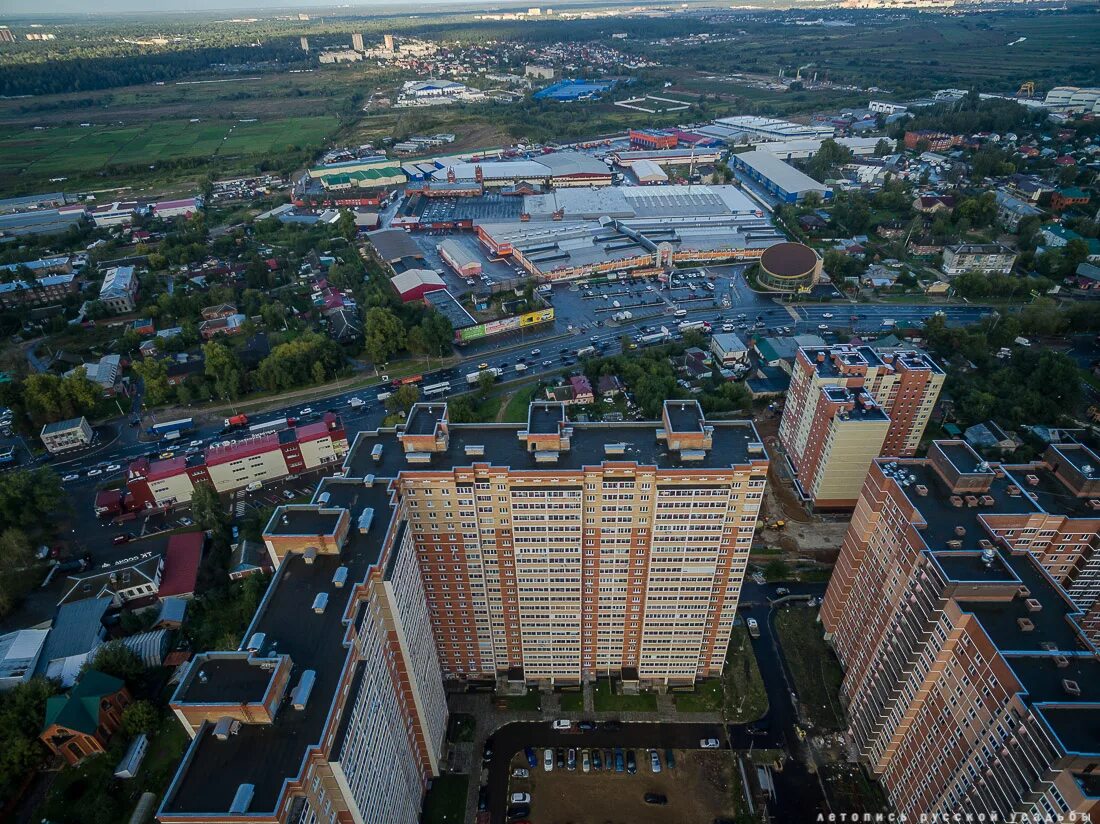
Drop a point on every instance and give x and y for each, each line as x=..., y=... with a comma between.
x=783, y=175
x=267, y=755
x=303, y=519
x=424, y=417
x=228, y=679
x=684, y=416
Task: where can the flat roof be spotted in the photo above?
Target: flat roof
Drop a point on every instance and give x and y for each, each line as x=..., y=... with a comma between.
x=444, y=302
x=394, y=244
x=268, y=755
x=502, y=447
x=223, y=679
x=684, y=416
x=303, y=519
x=545, y=418
x=781, y=174
x=966, y=566
x=424, y=417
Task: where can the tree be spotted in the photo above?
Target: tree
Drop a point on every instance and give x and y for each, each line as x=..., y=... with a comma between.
x=485, y=381
x=29, y=498
x=206, y=507
x=345, y=225
x=777, y=570
x=15, y=550
x=154, y=375
x=883, y=147
x=310, y=358
x=22, y=709
x=402, y=399
x=116, y=659
x=224, y=368
x=139, y=717
x=384, y=335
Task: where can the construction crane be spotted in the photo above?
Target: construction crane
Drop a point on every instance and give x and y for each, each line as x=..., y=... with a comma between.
x=1027, y=89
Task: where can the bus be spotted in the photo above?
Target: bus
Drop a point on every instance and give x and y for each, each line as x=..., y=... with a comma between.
x=433, y=389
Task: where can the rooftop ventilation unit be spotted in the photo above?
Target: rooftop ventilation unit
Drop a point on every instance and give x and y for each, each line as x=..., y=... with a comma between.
x=546, y=456
x=1033, y=480
x=956, y=500
x=954, y=543
x=693, y=454
x=242, y=799
x=987, y=557
x=1071, y=687
x=987, y=500
x=474, y=450
x=256, y=642
x=1047, y=646
x=376, y=452
x=985, y=544
x=324, y=498
x=960, y=530
x=320, y=602
x=922, y=490
x=1094, y=503
x=300, y=696
x=971, y=500
x=1025, y=624
x=418, y=457
x=1061, y=661
x=1013, y=490
x=369, y=480
x=226, y=727
x=310, y=555
x=366, y=518
x=1033, y=605
x=1024, y=592
x=340, y=577
x=614, y=448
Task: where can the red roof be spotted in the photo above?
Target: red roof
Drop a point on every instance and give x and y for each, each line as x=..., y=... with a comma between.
x=166, y=469
x=314, y=431
x=272, y=264
x=181, y=564
x=242, y=449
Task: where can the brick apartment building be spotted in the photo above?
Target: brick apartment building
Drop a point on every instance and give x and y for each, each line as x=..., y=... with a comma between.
x=937, y=141
x=971, y=684
x=846, y=406
x=548, y=552
x=267, y=457
x=987, y=258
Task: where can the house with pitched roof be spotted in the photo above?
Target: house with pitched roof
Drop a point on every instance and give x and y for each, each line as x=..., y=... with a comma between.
x=81, y=723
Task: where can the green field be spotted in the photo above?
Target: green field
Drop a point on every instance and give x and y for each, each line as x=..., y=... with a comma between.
x=107, y=153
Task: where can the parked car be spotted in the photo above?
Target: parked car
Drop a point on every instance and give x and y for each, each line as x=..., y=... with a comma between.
x=560, y=757
x=114, y=467
x=518, y=811
x=781, y=591
x=754, y=627
x=483, y=797
x=529, y=754
x=120, y=539
x=619, y=761
x=586, y=761
x=655, y=798
x=70, y=477
x=709, y=743
x=597, y=762
x=586, y=725
x=571, y=760
x=93, y=472
x=670, y=759
x=562, y=724
x=631, y=762
x=186, y=522
x=520, y=772
x=548, y=760
x=654, y=761
x=520, y=798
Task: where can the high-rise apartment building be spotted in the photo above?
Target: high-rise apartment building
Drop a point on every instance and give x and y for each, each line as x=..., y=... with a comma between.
x=357, y=41
x=847, y=405
x=550, y=552
x=972, y=686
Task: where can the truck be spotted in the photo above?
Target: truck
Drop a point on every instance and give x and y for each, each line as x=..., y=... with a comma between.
x=680, y=313
x=178, y=426
x=653, y=338
x=616, y=305
x=521, y=367
x=235, y=421
x=622, y=316
x=701, y=325
x=277, y=425
x=1022, y=342
x=474, y=377
x=889, y=323
x=357, y=403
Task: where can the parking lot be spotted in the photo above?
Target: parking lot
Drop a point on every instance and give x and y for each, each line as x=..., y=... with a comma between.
x=702, y=786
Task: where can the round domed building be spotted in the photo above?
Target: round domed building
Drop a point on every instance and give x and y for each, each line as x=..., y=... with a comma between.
x=788, y=267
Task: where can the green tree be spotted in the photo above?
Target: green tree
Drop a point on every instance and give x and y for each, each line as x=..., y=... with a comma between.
x=22, y=709
x=15, y=550
x=402, y=399
x=223, y=367
x=139, y=717
x=207, y=508
x=777, y=570
x=30, y=498
x=154, y=375
x=116, y=659
x=384, y=335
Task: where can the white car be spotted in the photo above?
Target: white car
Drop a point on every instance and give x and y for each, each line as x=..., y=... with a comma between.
x=93, y=472
x=827, y=315
x=562, y=724
x=114, y=467
x=709, y=743
x=307, y=411
x=519, y=798
x=536, y=352
x=547, y=363
x=824, y=327
x=520, y=772
x=68, y=478
x=548, y=760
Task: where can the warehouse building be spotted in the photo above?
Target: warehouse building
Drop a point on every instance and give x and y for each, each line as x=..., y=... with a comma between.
x=258, y=459
x=459, y=258
x=753, y=129
x=558, y=169
x=780, y=179
x=413, y=284
x=652, y=139
x=669, y=157
x=648, y=173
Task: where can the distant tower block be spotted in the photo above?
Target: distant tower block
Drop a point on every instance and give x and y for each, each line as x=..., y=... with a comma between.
x=305, y=44
x=387, y=40
x=357, y=42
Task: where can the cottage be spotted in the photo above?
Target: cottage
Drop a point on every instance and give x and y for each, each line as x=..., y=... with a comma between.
x=81, y=723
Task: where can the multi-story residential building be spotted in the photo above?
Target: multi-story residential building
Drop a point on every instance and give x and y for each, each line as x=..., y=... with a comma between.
x=936, y=141
x=1011, y=210
x=61, y=436
x=119, y=290
x=262, y=458
x=971, y=684
x=847, y=405
x=37, y=291
x=988, y=258
x=550, y=553
x=333, y=707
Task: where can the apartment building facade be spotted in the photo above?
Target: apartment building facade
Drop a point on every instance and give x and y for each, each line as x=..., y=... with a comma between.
x=987, y=258
x=61, y=436
x=549, y=552
x=119, y=290
x=847, y=405
x=972, y=685
x=259, y=459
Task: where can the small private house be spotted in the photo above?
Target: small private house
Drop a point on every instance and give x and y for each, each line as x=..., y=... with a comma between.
x=82, y=722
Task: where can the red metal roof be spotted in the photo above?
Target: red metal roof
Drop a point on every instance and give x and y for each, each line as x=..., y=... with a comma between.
x=166, y=469
x=217, y=455
x=181, y=564
x=313, y=431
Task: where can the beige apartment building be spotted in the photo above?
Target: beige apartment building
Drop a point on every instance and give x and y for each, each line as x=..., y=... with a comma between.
x=560, y=552
x=847, y=405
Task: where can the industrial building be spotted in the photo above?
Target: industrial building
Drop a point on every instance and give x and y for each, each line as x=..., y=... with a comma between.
x=807, y=147
x=557, y=169
x=652, y=139
x=648, y=173
x=257, y=459
x=846, y=406
x=393, y=580
x=971, y=680
x=781, y=180
x=459, y=258
x=669, y=157
x=788, y=267
x=62, y=436
x=46, y=289
x=413, y=284
x=753, y=129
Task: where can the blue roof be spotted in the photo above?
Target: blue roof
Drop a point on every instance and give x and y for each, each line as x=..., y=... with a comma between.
x=75, y=630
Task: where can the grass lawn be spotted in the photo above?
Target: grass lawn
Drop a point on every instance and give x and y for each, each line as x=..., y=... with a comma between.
x=461, y=727
x=605, y=700
x=516, y=410
x=532, y=701
x=817, y=674
x=572, y=702
x=445, y=802
x=850, y=788
x=739, y=692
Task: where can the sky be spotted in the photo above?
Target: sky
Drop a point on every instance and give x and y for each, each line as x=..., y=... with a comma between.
x=26, y=8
